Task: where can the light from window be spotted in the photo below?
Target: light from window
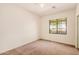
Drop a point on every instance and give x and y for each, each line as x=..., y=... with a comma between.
x=58, y=26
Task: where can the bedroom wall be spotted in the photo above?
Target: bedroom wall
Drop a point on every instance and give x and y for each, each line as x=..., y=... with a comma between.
x=17, y=27
x=70, y=37
x=77, y=31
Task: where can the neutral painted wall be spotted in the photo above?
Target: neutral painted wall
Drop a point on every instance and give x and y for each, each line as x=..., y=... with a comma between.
x=70, y=37
x=77, y=27
x=77, y=9
x=17, y=27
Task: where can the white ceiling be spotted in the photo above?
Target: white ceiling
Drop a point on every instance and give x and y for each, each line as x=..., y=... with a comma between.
x=47, y=9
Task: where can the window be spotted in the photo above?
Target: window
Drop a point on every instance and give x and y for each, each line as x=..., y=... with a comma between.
x=58, y=26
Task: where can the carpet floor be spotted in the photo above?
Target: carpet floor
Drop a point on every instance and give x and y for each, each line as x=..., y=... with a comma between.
x=43, y=47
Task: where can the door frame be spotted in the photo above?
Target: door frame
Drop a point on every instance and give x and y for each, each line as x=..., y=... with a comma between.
x=77, y=29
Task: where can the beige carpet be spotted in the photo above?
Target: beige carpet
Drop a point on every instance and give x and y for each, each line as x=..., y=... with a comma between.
x=43, y=47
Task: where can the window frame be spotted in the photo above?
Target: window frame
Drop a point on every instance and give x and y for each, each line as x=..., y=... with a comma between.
x=57, y=20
